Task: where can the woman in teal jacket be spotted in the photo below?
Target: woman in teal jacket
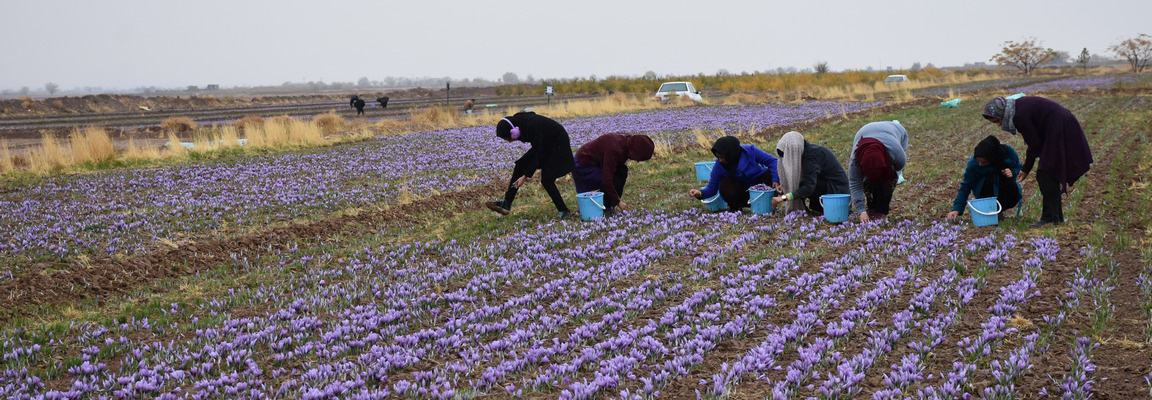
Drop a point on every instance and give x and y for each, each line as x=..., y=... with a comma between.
x=989, y=173
x=738, y=167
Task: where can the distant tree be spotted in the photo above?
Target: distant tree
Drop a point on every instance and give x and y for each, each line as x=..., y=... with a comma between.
x=510, y=77
x=24, y=90
x=929, y=66
x=821, y=67
x=1025, y=55
x=915, y=67
x=650, y=75
x=723, y=72
x=1084, y=58
x=1136, y=50
x=363, y=82
x=51, y=87
x=530, y=79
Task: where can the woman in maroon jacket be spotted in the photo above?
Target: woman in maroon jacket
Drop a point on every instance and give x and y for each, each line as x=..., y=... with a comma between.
x=600, y=165
x=1054, y=136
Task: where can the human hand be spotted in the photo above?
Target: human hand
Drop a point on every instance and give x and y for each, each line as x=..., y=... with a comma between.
x=623, y=206
x=776, y=185
x=952, y=216
x=864, y=217
x=520, y=182
x=1007, y=172
x=695, y=193
x=1020, y=178
x=777, y=200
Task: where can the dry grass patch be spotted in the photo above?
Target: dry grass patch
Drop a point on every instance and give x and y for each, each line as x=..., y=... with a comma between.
x=7, y=164
x=91, y=144
x=329, y=122
x=178, y=124
x=249, y=120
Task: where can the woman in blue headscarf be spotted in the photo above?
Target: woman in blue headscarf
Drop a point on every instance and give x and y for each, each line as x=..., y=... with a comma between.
x=1054, y=136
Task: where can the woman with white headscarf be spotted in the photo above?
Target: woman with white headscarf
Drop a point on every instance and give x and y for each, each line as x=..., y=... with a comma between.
x=807, y=171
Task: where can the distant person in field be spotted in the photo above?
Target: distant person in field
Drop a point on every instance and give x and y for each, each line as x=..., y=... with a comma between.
x=551, y=153
x=468, y=106
x=383, y=101
x=359, y=104
x=989, y=173
x=879, y=153
x=807, y=171
x=738, y=167
x=1052, y=134
x=352, y=101
x=602, y=165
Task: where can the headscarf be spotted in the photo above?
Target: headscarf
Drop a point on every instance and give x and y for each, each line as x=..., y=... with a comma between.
x=790, y=148
x=1004, y=110
x=728, y=148
x=991, y=149
x=640, y=147
x=874, y=161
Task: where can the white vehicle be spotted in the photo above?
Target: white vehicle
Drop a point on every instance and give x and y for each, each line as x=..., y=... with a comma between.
x=670, y=90
x=896, y=79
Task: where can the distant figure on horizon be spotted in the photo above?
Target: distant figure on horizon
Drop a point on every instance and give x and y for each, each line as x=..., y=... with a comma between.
x=352, y=101
x=468, y=106
x=359, y=103
x=383, y=101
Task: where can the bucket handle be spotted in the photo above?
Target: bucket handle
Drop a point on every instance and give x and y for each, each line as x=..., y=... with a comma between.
x=709, y=165
x=998, y=209
x=593, y=200
x=709, y=201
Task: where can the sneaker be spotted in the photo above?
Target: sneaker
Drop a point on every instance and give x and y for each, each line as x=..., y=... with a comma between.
x=497, y=206
x=565, y=215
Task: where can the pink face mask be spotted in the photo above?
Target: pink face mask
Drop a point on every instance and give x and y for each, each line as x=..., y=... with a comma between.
x=515, y=132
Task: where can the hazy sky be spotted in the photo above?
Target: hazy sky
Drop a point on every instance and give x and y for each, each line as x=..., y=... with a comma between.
x=127, y=44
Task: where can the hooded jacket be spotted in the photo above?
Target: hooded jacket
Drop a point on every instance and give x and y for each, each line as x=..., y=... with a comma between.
x=752, y=163
x=551, y=151
x=610, y=152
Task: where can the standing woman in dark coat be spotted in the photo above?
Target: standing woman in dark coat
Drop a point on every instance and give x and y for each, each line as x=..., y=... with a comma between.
x=551, y=153
x=600, y=165
x=1054, y=135
x=738, y=168
x=989, y=173
x=807, y=171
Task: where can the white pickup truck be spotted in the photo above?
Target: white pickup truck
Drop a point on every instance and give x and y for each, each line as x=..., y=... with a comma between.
x=670, y=90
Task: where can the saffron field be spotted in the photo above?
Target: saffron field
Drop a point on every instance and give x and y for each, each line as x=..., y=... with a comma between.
x=370, y=270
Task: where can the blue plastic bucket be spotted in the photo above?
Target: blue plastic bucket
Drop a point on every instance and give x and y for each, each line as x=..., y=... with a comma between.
x=985, y=211
x=591, y=205
x=715, y=203
x=761, y=200
x=835, y=207
x=704, y=170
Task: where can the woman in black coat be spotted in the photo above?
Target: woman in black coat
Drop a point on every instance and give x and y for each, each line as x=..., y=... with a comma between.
x=551, y=153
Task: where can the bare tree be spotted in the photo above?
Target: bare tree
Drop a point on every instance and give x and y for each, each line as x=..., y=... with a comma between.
x=1025, y=55
x=363, y=82
x=821, y=67
x=1136, y=50
x=650, y=75
x=51, y=87
x=1084, y=58
x=510, y=77
x=24, y=90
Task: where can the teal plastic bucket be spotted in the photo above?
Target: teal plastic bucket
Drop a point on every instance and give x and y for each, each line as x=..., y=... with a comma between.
x=761, y=200
x=835, y=207
x=704, y=170
x=985, y=211
x=715, y=203
x=591, y=205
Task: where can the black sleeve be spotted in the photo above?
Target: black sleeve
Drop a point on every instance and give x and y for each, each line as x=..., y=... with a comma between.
x=527, y=164
x=810, y=171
